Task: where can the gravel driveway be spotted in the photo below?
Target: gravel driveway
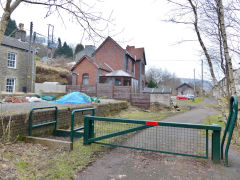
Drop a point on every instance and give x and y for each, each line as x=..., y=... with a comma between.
x=129, y=164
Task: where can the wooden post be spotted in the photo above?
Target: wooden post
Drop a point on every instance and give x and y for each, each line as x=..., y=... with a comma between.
x=112, y=90
x=130, y=95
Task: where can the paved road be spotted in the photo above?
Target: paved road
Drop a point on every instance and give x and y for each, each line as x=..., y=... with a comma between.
x=129, y=164
x=210, y=100
x=23, y=107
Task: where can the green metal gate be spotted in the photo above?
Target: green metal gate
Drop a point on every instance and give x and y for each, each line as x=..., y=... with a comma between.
x=158, y=136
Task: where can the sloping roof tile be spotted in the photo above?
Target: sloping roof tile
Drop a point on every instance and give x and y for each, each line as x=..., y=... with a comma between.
x=138, y=52
x=158, y=90
x=101, y=65
x=94, y=62
x=118, y=73
x=184, y=84
x=107, y=39
x=13, y=42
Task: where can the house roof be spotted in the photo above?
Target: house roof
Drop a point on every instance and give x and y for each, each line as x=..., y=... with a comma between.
x=98, y=65
x=107, y=39
x=103, y=66
x=158, y=90
x=136, y=52
x=118, y=73
x=13, y=42
x=87, y=51
x=183, y=85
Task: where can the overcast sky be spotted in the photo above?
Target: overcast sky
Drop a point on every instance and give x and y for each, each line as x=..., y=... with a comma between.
x=140, y=23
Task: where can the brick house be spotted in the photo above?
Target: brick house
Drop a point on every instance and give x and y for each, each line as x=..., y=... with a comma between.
x=87, y=71
x=110, y=63
x=140, y=63
x=223, y=85
x=15, y=64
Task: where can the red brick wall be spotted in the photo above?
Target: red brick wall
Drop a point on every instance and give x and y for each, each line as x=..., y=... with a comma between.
x=20, y=120
x=111, y=54
x=85, y=67
x=136, y=69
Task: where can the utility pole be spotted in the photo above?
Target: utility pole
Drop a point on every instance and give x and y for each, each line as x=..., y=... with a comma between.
x=202, y=77
x=50, y=40
x=29, y=83
x=194, y=82
x=33, y=61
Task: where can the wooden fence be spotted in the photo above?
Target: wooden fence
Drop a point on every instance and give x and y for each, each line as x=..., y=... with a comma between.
x=116, y=92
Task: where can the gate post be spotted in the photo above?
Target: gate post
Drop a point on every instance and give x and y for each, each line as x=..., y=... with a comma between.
x=216, y=154
x=86, y=131
x=91, y=126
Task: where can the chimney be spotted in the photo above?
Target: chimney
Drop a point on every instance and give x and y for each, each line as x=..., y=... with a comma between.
x=21, y=33
x=130, y=47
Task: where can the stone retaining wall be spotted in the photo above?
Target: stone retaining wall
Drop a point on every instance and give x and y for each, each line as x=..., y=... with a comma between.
x=20, y=121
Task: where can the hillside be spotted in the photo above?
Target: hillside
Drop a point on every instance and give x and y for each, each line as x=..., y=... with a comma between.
x=47, y=72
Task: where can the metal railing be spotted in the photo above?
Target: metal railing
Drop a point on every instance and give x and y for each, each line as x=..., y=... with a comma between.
x=73, y=131
x=31, y=126
x=231, y=122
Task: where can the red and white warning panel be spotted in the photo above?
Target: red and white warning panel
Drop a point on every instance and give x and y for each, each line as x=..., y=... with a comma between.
x=151, y=123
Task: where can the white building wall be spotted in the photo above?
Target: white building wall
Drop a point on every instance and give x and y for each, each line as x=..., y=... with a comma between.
x=41, y=87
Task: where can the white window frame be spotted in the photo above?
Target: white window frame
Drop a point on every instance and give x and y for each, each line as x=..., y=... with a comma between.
x=12, y=84
x=11, y=60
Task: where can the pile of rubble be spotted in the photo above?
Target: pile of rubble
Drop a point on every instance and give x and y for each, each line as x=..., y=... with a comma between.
x=13, y=99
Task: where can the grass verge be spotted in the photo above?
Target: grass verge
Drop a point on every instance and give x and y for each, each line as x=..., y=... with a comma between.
x=217, y=119
x=197, y=100
x=29, y=161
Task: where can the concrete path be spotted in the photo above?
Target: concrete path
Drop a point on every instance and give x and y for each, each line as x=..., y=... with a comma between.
x=129, y=164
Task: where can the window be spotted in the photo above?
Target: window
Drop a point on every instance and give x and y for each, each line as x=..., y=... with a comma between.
x=12, y=57
x=127, y=82
x=118, y=82
x=143, y=68
x=85, y=79
x=133, y=67
x=127, y=64
x=10, y=87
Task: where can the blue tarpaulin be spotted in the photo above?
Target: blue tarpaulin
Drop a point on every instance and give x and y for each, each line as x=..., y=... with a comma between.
x=75, y=97
x=48, y=98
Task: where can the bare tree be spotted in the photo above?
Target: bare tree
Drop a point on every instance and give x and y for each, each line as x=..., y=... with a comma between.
x=163, y=78
x=83, y=16
x=225, y=46
x=207, y=18
x=210, y=24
